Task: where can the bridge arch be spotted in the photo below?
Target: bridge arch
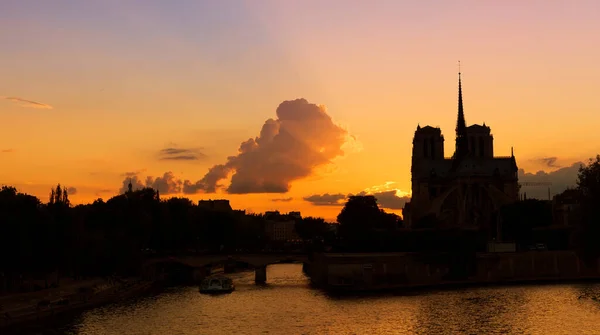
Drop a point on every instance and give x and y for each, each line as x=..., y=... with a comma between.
x=198, y=266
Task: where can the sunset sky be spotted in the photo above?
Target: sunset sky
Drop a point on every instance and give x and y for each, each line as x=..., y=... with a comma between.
x=95, y=92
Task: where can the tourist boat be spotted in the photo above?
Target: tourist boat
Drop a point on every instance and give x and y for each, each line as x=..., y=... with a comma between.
x=212, y=285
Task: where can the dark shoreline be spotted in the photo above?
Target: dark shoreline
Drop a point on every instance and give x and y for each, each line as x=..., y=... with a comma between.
x=448, y=286
x=57, y=314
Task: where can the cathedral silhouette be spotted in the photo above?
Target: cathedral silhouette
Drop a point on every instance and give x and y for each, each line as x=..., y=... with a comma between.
x=465, y=190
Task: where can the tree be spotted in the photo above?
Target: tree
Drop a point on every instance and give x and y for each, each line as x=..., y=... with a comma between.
x=389, y=221
x=360, y=214
x=249, y=232
x=588, y=231
x=63, y=230
x=59, y=196
x=588, y=179
x=176, y=228
x=520, y=218
x=358, y=221
x=104, y=238
x=309, y=228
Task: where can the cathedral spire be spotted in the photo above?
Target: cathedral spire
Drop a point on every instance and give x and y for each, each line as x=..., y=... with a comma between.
x=461, y=126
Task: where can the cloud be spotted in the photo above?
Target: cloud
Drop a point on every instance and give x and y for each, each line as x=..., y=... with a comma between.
x=27, y=103
x=387, y=196
x=132, y=173
x=6, y=151
x=289, y=148
x=177, y=154
x=71, y=190
x=549, y=162
x=561, y=179
x=389, y=199
x=337, y=199
x=167, y=184
x=282, y=199
x=134, y=180
x=103, y=191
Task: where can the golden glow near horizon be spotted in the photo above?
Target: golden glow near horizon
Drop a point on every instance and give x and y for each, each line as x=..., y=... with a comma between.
x=86, y=103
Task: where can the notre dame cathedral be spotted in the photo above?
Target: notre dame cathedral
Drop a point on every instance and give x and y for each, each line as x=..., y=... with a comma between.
x=465, y=190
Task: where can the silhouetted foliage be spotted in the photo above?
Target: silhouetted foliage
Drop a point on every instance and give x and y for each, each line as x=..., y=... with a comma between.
x=309, y=228
x=390, y=221
x=362, y=223
x=25, y=240
x=359, y=217
x=104, y=238
x=522, y=217
x=59, y=196
x=588, y=230
x=115, y=236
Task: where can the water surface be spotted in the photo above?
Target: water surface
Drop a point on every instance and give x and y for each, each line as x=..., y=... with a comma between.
x=287, y=305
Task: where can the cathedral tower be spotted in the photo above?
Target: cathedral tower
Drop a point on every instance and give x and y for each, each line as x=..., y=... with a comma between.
x=428, y=144
x=480, y=141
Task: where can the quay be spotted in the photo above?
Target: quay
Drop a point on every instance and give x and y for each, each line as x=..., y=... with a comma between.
x=43, y=306
x=381, y=271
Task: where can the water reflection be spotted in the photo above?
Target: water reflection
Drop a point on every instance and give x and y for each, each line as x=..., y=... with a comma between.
x=287, y=305
x=488, y=311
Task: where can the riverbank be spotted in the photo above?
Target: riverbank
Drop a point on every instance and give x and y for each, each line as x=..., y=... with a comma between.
x=444, y=286
x=397, y=271
x=39, y=311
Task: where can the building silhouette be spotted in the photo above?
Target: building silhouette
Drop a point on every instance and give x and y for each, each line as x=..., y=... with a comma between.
x=215, y=205
x=465, y=190
x=281, y=227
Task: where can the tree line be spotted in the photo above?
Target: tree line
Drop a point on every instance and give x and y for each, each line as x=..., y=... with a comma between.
x=114, y=236
x=530, y=221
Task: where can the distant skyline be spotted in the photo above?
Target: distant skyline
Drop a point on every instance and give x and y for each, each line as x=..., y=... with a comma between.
x=97, y=92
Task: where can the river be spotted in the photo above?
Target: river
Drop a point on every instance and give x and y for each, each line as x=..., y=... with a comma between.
x=287, y=305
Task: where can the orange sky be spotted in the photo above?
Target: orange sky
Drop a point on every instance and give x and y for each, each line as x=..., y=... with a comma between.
x=97, y=90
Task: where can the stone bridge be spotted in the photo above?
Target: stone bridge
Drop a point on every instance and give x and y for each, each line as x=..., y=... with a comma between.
x=202, y=264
